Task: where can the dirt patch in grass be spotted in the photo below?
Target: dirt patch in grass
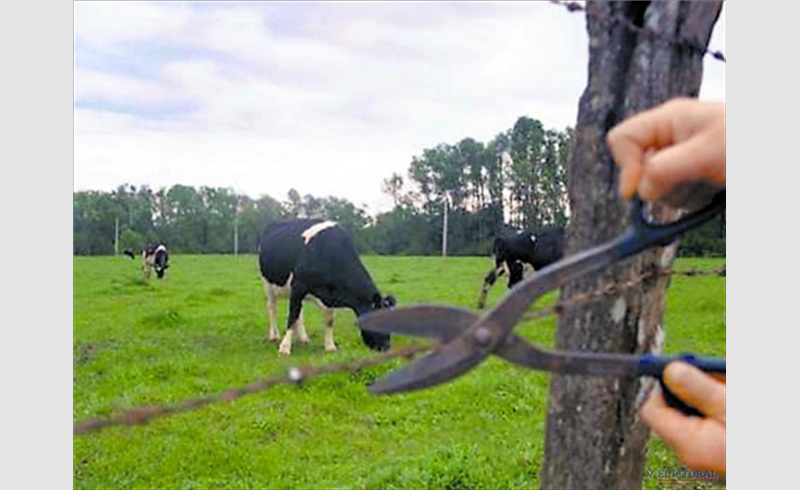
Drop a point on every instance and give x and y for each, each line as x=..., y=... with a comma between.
x=84, y=353
x=166, y=319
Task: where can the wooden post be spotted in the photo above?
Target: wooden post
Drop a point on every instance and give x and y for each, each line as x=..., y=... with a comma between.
x=593, y=438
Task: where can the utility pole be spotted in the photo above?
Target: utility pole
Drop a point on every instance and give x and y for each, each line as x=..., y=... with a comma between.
x=236, y=228
x=116, y=236
x=444, y=228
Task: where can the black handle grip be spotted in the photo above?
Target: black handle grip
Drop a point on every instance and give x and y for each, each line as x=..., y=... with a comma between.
x=643, y=234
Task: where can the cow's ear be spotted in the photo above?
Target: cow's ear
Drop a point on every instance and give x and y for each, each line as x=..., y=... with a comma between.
x=389, y=302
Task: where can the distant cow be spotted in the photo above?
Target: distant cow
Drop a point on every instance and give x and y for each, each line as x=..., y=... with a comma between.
x=511, y=251
x=313, y=258
x=155, y=257
x=129, y=253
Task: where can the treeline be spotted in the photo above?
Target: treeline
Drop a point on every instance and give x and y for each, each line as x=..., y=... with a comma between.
x=517, y=179
x=190, y=220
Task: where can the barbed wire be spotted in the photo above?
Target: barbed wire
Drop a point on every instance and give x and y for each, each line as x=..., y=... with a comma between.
x=297, y=375
x=628, y=24
x=615, y=288
x=294, y=375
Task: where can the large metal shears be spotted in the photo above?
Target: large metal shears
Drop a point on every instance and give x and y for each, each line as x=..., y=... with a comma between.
x=467, y=338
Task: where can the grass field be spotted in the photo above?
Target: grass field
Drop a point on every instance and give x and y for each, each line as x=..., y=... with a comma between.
x=201, y=330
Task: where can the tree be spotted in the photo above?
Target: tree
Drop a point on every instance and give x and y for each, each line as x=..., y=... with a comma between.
x=394, y=187
x=553, y=179
x=527, y=139
x=188, y=224
x=130, y=239
x=93, y=221
x=294, y=205
x=254, y=216
x=593, y=438
x=219, y=210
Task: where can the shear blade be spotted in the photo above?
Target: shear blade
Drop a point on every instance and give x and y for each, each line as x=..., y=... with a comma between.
x=453, y=360
x=439, y=322
x=446, y=324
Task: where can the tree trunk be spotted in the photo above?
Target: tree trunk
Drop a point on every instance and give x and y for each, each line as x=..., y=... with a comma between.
x=593, y=436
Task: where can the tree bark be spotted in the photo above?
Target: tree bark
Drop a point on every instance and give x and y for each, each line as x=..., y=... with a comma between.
x=593, y=436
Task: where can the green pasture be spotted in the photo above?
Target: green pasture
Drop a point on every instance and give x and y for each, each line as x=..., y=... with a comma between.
x=201, y=330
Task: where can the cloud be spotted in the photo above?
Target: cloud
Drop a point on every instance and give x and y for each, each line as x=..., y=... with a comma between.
x=111, y=24
x=327, y=98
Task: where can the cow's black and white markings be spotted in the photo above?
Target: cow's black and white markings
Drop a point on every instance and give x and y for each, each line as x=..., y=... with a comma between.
x=512, y=251
x=129, y=253
x=155, y=257
x=317, y=260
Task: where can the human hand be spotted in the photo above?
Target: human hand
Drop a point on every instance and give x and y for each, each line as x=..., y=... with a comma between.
x=699, y=442
x=672, y=152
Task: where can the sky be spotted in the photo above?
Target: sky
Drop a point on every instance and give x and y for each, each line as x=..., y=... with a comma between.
x=326, y=98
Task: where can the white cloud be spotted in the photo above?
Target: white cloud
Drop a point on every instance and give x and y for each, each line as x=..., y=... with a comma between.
x=325, y=98
x=96, y=84
x=109, y=23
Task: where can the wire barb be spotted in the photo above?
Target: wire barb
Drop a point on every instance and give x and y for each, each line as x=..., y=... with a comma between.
x=625, y=22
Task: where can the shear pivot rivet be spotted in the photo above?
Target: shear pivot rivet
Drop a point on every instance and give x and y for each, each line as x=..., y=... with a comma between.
x=482, y=336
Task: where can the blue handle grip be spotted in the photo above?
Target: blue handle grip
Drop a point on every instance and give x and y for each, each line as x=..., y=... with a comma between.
x=654, y=366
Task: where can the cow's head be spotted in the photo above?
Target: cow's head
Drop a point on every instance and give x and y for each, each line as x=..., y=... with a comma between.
x=374, y=340
x=160, y=262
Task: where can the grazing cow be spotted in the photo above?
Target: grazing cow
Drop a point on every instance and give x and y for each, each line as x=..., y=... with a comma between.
x=129, y=253
x=155, y=257
x=317, y=259
x=511, y=251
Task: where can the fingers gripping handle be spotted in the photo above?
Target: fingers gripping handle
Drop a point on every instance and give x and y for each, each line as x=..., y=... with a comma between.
x=654, y=366
x=673, y=401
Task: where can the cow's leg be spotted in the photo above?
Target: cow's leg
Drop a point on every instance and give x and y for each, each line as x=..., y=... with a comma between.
x=300, y=329
x=514, y=273
x=528, y=270
x=489, y=282
x=272, y=311
x=295, y=307
x=330, y=345
x=147, y=266
x=285, y=349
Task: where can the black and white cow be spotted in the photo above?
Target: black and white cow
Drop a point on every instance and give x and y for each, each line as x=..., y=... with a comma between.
x=315, y=259
x=155, y=257
x=512, y=251
x=129, y=253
